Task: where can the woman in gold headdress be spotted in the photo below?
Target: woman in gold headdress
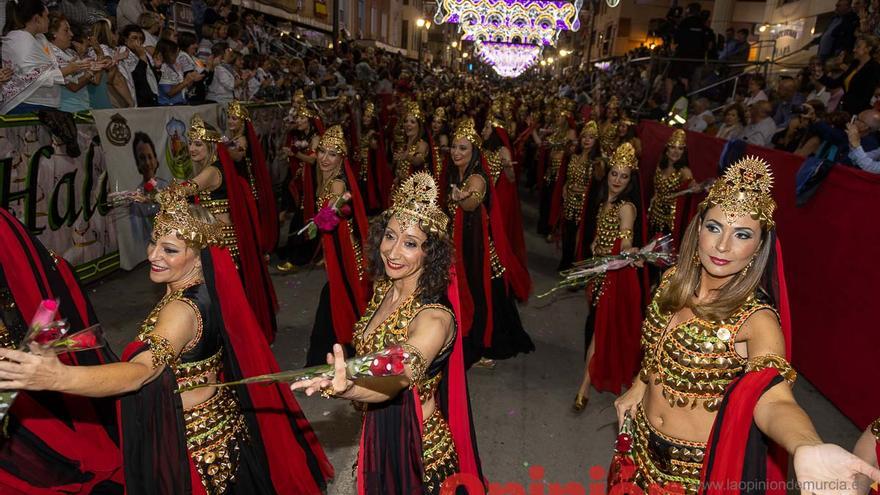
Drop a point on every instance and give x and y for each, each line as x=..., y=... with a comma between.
x=411, y=155
x=612, y=327
x=438, y=140
x=556, y=148
x=666, y=215
x=490, y=324
x=247, y=152
x=714, y=392
x=246, y=440
x=374, y=176
x=416, y=427
x=227, y=195
x=299, y=198
x=573, y=190
x=345, y=294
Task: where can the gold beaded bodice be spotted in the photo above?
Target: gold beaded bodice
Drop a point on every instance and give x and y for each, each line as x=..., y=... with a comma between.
x=326, y=193
x=608, y=229
x=661, y=213
x=580, y=168
x=403, y=167
x=394, y=330
x=695, y=360
x=496, y=166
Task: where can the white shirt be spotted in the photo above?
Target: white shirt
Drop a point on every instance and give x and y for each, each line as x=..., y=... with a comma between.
x=866, y=160
x=761, y=133
x=222, y=88
x=751, y=100
x=822, y=95
x=36, y=77
x=699, y=123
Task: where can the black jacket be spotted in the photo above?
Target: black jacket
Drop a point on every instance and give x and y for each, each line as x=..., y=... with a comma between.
x=861, y=88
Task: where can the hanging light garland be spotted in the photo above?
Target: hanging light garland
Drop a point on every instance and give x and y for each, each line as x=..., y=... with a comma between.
x=522, y=21
x=508, y=59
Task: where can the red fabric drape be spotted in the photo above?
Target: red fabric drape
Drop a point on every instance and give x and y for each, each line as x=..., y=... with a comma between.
x=519, y=151
x=508, y=195
x=617, y=330
x=830, y=267
x=466, y=293
x=516, y=273
x=79, y=436
x=266, y=204
x=255, y=274
x=273, y=404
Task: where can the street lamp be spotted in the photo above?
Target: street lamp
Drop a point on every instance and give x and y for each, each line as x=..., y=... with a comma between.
x=454, y=44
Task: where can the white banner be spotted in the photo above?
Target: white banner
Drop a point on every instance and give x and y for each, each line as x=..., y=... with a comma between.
x=139, y=144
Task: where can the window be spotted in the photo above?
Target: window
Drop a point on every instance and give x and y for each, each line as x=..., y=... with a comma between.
x=404, y=35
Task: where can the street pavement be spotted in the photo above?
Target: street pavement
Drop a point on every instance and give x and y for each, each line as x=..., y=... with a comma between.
x=522, y=408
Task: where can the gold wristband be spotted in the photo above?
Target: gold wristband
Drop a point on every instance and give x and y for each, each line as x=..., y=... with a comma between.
x=160, y=347
x=776, y=361
x=416, y=362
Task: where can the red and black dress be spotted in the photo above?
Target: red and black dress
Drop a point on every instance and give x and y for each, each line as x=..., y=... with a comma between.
x=490, y=322
x=346, y=292
x=552, y=156
x=234, y=197
x=246, y=439
x=374, y=175
x=299, y=199
x=570, y=205
x=52, y=443
x=255, y=169
x=507, y=197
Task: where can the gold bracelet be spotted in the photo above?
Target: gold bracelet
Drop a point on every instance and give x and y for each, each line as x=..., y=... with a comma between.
x=776, y=361
x=626, y=234
x=416, y=362
x=160, y=347
x=327, y=392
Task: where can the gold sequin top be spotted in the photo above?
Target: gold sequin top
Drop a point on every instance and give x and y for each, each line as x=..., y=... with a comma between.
x=577, y=180
x=608, y=229
x=875, y=429
x=200, y=358
x=394, y=330
x=496, y=166
x=695, y=360
x=326, y=193
x=364, y=155
x=661, y=212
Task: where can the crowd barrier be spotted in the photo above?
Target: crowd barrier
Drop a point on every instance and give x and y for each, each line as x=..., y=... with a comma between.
x=62, y=198
x=830, y=251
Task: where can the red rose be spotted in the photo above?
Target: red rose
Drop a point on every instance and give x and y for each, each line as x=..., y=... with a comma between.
x=326, y=219
x=84, y=340
x=48, y=335
x=391, y=362
x=150, y=185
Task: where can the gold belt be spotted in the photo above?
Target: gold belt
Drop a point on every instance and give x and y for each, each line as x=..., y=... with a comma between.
x=661, y=459
x=439, y=456
x=214, y=430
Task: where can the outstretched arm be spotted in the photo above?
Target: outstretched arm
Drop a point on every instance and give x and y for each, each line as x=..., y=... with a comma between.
x=36, y=371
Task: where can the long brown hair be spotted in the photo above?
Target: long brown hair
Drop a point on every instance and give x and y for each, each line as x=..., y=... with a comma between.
x=685, y=281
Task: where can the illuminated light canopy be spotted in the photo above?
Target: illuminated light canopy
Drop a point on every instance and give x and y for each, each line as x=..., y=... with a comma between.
x=510, y=21
x=508, y=59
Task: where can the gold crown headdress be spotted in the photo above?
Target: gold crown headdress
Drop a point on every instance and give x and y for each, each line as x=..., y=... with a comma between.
x=415, y=202
x=678, y=138
x=465, y=129
x=175, y=217
x=198, y=131
x=301, y=111
x=744, y=189
x=299, y=98
x=614, y=102
x=591, y=129
x=236, y=109
x=440, y=114
x=412, y=109
x=334, y=139
x=369, y=110
x=624, y=157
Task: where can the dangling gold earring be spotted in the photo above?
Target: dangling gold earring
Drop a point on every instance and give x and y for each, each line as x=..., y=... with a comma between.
x=696, y=259
x=745, y=270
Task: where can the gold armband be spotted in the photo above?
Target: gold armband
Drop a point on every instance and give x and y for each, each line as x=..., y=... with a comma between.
x=416, y=362
x=626, y=234
x=776, y=361
x=875, y=429
x=163, y=353
x=478, y=195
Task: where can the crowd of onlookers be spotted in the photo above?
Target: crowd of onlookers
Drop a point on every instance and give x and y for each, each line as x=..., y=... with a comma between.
x=73, y=56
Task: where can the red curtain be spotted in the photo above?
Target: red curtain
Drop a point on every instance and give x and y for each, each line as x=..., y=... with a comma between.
x=829, y=246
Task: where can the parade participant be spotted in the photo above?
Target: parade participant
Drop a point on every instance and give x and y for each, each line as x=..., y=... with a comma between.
x=667, y=215
x=52, y=442
x=301, y=143
x=438, y=140
x=556, y=149
x=411, y=155
x=612, y=328
x=246, y=150
x=216, y=441
x=346, y=292
x=490, y=320
x=220, y=188
x=571, y=196
x=868, y=449
x=417, y=430
x=712, y=406
x=374, y=177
